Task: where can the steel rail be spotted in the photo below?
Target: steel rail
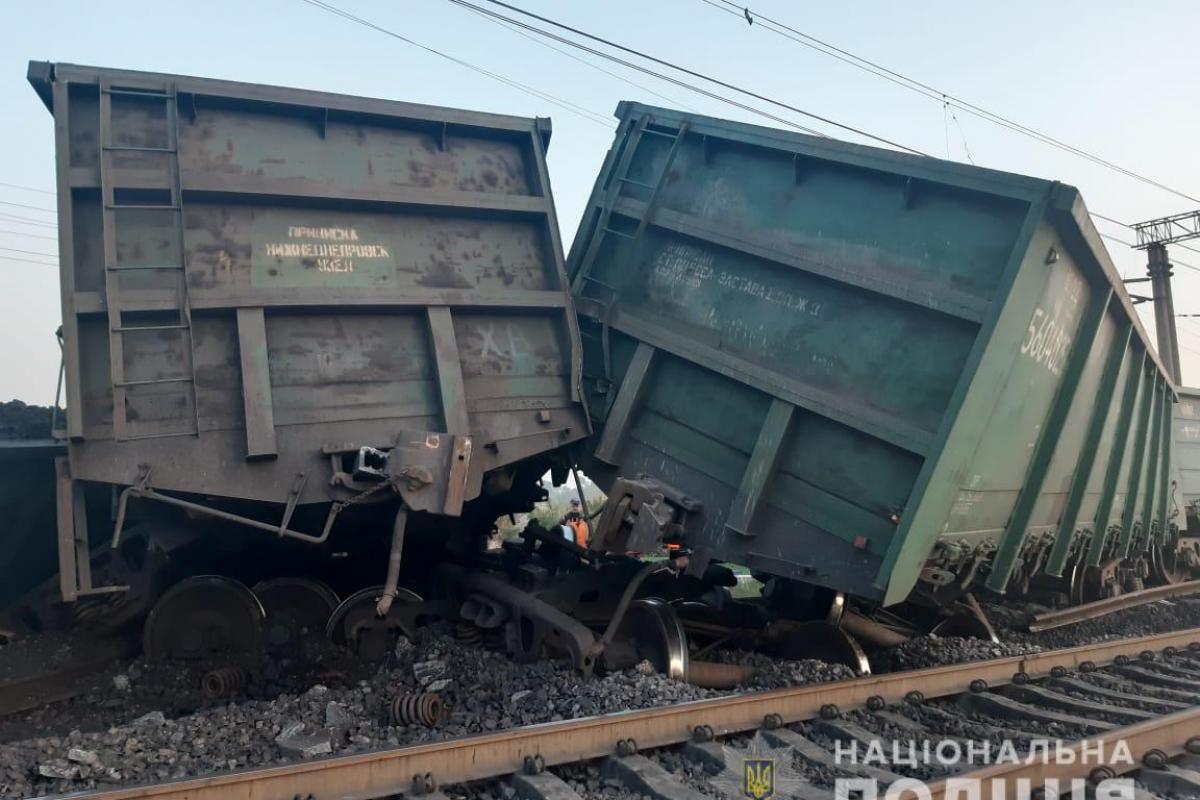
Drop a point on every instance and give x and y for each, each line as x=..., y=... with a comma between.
x=387, y=772
x=1050, y=620
x=1168, y=734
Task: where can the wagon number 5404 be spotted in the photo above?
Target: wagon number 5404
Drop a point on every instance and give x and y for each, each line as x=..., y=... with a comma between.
x=1047, y=341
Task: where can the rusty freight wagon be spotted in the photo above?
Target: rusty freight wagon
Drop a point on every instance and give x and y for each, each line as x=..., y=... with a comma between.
x=864, y=370
x=283, y=308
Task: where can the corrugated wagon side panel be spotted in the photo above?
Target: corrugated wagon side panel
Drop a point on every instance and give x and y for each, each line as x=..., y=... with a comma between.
x=1133, y=452
x=939, y=488
x=1092, y=397
x=1130, y=366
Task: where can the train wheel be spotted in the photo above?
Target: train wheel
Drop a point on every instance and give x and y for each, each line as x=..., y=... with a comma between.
x=656, y=634
x=1096, y=583
x=824, y=642
x=203, y=616
x=294, y=606
x=1165, y=566
x=355, y=625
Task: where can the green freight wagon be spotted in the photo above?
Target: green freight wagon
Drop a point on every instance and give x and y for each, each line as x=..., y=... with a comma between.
x=861, y=369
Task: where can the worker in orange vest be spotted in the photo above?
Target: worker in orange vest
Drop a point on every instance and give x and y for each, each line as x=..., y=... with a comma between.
x=578, y=525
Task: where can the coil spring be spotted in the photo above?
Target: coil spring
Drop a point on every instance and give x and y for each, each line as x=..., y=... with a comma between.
x=224, y=681
x=425, y=708
x=468, y=633
x=494, y=639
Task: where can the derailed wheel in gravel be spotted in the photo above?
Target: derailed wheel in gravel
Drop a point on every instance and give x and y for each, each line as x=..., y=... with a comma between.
x=355, y=624
x=1166, y=566
x=293, y=606
x=204, y=616
x=824, y=642
x=656, y=634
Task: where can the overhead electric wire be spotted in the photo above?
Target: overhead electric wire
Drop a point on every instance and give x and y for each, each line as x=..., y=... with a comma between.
x=1180, y=245
x=584, y=61
x=28, y=235
x=662, y=62
x=29, y=261
x=27, y=220
x=846, y=56
x=646, y=70
x=566, y=105
x=1174, y=261
x=813, y=43
x=502, y=19
x=26, y=188
x=28, y=252
x=26, y=205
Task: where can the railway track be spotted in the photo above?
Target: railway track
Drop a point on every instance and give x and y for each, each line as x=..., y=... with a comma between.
x=1141, y=692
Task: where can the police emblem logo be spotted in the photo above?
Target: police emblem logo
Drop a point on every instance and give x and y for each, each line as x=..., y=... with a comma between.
x=758, y=778
x=759, y=772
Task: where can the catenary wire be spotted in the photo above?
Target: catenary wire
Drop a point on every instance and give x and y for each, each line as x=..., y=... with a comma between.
x=685, y=70
x=542, y=32
x=566, y=105
x=29, y=235
x=653, y=73
x=846, y=56
x=584, y=61
x=27, y=220
x=27, y=188
x=28, y=252
x=1181, y=245
x=1174, y=261
x=26, y=205
x=28, y=261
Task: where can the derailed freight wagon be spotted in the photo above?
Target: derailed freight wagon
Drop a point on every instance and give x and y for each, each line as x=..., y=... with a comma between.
x=286, y=311
x=864, y=370
x=1186, y=430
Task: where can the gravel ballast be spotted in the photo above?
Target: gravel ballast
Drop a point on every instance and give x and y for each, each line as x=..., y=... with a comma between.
x=484, y=692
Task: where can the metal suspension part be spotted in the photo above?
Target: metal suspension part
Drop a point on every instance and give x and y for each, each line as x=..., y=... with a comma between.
x=423, y=708
x=223, y=682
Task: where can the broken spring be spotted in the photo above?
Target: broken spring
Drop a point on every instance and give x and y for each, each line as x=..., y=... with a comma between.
x=425, y=708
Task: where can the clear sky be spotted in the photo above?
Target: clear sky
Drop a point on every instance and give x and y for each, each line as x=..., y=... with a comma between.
x=1115, y=78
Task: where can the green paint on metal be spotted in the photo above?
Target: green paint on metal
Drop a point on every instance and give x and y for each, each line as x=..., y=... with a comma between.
x=1165, y=482
x=1048, y=440
x=1139, y=458
x=1133, y=384
x=1152, y=465
x=1117, y=356
x=921, y=317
